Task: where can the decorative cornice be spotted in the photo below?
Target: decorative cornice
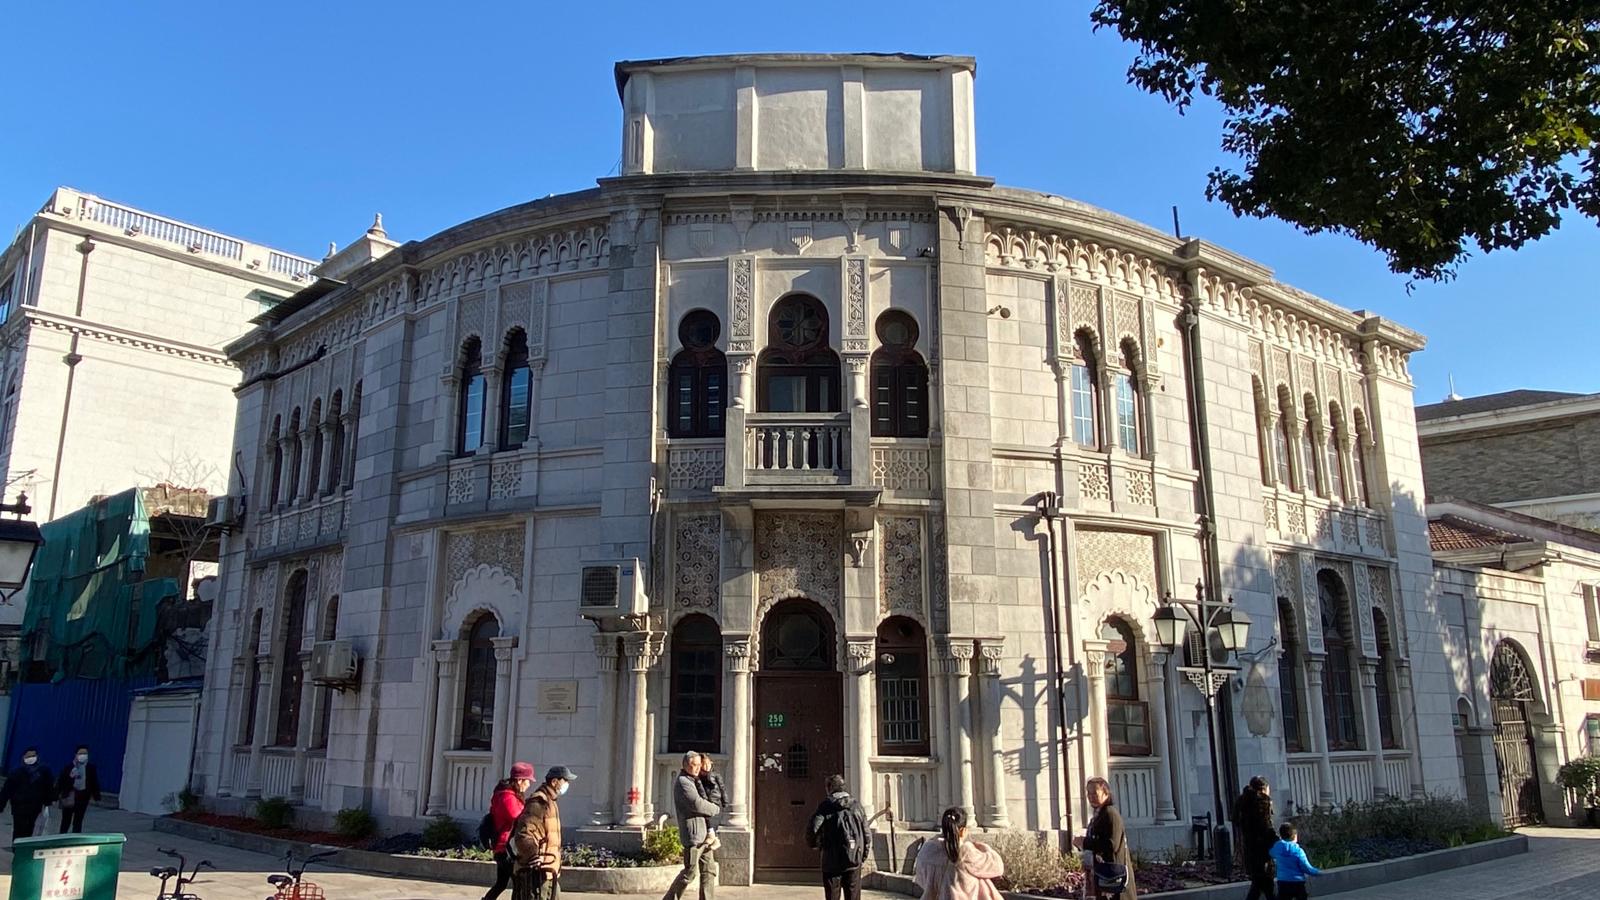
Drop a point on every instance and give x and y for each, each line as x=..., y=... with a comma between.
x=111, y=334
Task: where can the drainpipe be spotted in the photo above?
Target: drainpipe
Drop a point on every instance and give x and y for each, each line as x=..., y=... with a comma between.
x=71, y=359
x=1060, y=622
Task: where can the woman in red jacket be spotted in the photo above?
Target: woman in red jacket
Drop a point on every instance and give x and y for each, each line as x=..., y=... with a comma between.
x=504, y=807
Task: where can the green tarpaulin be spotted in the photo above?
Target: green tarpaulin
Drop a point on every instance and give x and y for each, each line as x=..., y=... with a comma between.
x=87, y=594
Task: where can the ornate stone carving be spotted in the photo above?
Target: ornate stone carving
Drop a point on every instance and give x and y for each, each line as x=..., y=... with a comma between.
x=1324, y=520
x=505, y=479
x=741, y=289
x=1100, y=552
x=536, y=314
x=331, y=573
x=697, y=562
x=1297, y=518
x=800, y=236
x=902, y=468
x=900, y=571
x=855, y=296
x=1141, y=491
x=1361, y=610
x=797, y=555
x=470, y=323
x=1126, y=325
x=992, y=652
x=695, y=468
x=1061, y=291
x=939, y=576
x=1094, y=481
x=1085, y=314
x=515, y=300
x=459, y=488
x=483, y=587
x=605, y=648
x=856, y=547
x=1374, y=529
x=501, y=548
x=1347, y=531
x=1310, y=602
x=861, y=653
x=1269, y=512
x=737, y=652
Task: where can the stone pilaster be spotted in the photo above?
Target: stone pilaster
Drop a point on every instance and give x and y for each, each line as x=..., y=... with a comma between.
x=995, y=814
x=605, y=718
x=444, y=723
x=1317, y=716
x=737, y=652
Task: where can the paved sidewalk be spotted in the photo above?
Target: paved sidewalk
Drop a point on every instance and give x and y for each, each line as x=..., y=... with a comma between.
x=242, y=875
x=1561, y=864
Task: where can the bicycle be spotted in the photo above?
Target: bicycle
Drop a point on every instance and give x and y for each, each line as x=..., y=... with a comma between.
x=292, y=886
x=168, y=873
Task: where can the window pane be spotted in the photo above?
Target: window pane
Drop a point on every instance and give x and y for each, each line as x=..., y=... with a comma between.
x=1591, y=610
x=1335, y=466
x=786, y=393
x=1127, y=415
x=900, y=700
x=472, y=414
x=516, y=409
x=1280, y=447
x=1312, y=459
x=883, y=391
x=713, y=402
x=1083, y=427
x=1289, y=700
x=1362, y=496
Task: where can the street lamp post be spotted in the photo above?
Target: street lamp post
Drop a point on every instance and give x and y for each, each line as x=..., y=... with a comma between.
x=19, y=541
x=1232, y=628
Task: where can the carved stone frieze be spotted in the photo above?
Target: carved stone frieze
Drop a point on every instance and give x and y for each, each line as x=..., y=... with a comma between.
x=900, y=571
x=697, y=561
x=501, y=548
x=797, y=555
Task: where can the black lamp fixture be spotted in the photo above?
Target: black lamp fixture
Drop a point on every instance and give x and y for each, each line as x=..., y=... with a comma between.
x=19, y=543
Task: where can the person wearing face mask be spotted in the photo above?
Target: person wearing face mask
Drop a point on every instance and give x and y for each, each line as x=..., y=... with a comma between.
x=27, y=790
x=75, y=789
x=536, y=839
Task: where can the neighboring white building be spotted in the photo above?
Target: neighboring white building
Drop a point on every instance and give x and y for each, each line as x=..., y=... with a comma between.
x=1520, y=598
x=112, y=372
x=872, y=425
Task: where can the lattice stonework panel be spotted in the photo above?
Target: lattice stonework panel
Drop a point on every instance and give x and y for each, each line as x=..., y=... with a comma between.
x=694, y=468
x=900, y=572
x=901, y=468
x=697, y=562
x=502, y=548
x=798, y=555
x=1100, y=552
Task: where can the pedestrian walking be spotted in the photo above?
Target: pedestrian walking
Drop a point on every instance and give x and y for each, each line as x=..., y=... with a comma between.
x=694, y=817
x=78, y=786
x=950, y=867
x=1111, y=875
x=535, y=839
x=505, y=805
x=839, y=830
x=1252, y=815
x=28, y=789
x=1293, y=866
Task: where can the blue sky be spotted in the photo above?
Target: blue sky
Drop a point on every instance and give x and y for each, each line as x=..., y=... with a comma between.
x=291, y=123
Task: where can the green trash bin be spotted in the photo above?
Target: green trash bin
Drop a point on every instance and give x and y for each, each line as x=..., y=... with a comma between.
x=66, y=867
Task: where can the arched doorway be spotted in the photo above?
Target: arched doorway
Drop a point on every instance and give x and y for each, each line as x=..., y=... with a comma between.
x=1516, y=759
x=799, y=739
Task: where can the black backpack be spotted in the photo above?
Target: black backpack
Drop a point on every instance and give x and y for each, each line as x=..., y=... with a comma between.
x=486, y=831
x=850, y=834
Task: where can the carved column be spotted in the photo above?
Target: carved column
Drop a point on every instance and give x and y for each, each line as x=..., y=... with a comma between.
x=235, y=726
x=535, y=378
x=941, y=743
x=325, y=464
x=1402, y=674
x=994, y=763
x=505, y=727
x=1319, y=730
x=961, y=721
x=491, y=410
x=303, y=729
x=860, y=679
x=640, y=658
x=286, y=447
x=605, y=717
x=1371, y=736
x=737, y=651
x=444, y=723
x=1165, y=810
x=1094, y=666
x=1173, y=748
x=347, y=471
x=264, y=725
x=304, y=490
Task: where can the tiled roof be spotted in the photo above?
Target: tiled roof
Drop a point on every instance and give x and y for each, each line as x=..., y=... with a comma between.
x=1455, y=533
x=1489, y=403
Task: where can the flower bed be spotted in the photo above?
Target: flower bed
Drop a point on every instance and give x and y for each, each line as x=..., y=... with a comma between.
x=252, y=826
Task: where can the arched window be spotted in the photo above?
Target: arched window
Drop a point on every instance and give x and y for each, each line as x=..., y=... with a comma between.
x=1126, y=385
x=1385, y=681
x=296, y=457
x=289, y=673
x=275, y=486
x=1085, y=397
x=477, y=697
x=1334, y=464
x=8, y=415
x=1289, y=679
x=797, y=636
x=253, y=685
x=698, y=379
x=798, y=371
x=516, y=394
x=329, y=631
x=696, y=708
x=1127, y=716
x=314, y=469
x=1282, y=445
x=1363, y=444
x=472, y=385
x=902, y=671
x=899, y=380
x=1311, y=449
x=336, y=452
x=1338, y=689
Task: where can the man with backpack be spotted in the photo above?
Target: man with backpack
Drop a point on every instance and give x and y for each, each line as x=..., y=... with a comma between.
x=839, y=830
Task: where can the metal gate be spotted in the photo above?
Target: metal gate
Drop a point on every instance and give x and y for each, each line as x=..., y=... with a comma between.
x=1515, y=756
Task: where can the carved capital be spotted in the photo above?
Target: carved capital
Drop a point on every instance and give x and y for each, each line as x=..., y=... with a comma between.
x=643, y=649
x=503, y=647
x=961, y=653
x=856, y=546
x=605, y=649
x=990, y=663
x=861, y=653
x=737, y=652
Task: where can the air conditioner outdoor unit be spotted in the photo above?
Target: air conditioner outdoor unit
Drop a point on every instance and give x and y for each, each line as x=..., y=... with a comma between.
x=335, y=664
x=221, y=512
x=612, y=588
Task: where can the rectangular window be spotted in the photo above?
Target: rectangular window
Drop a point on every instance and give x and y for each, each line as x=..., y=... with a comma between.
x=1361, y=495
x=714, y=401
x=1591, y=732
x=517, y=407
x=1591, y=611
x=1289, y=701
x=1335, y=467
x=1128, y=727
x=902, y=705
x=1281, y=449
x=1083, y=429
x=472, y=416
x=1127, y=415
x=1340, y=713
x=695, y=699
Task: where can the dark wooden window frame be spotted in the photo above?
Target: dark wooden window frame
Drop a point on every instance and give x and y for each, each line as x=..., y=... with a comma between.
x=479, y=677
x=696, y=656
x=906, y=642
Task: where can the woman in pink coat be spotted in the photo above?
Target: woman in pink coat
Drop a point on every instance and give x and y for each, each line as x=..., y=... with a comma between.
x=950, y=867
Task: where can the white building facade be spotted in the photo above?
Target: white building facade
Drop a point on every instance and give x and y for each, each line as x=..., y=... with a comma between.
x=909, y=461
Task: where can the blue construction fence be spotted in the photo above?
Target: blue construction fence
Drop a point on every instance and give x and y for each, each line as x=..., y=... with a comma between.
x=58, y=716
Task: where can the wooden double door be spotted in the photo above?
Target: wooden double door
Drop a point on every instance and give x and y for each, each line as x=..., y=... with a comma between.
x=799, y=742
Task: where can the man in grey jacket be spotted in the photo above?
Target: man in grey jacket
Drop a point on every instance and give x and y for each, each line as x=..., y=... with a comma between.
x=694, y=817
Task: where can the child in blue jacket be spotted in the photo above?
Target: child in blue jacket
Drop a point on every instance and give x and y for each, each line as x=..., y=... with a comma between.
x=1293, y=867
